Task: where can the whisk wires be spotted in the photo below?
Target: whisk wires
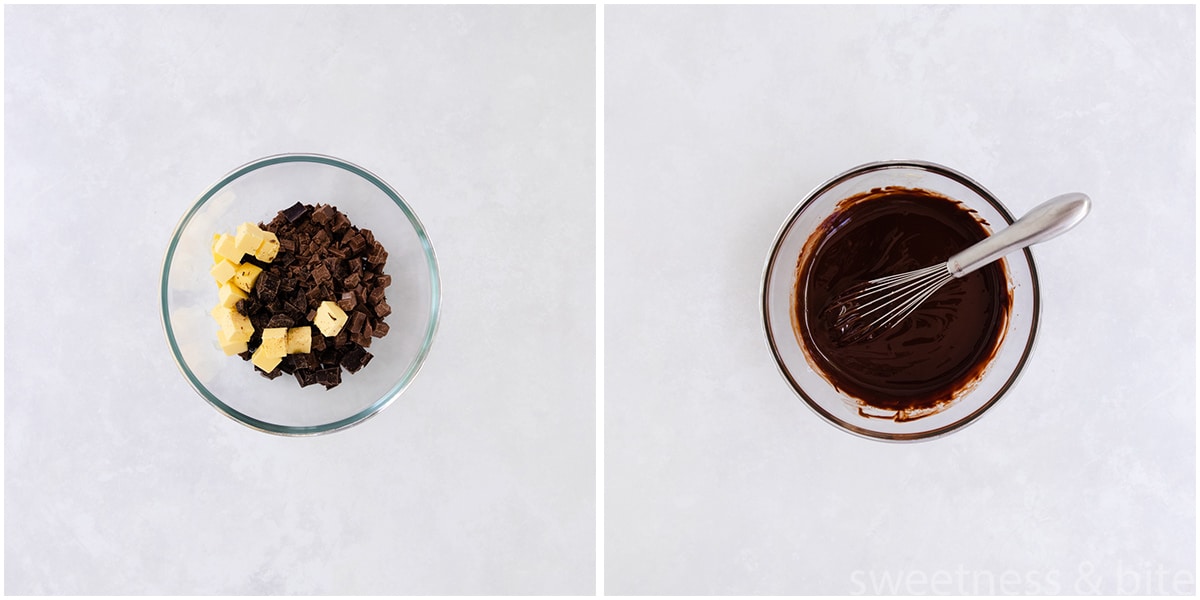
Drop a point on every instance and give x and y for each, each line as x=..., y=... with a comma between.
x=867, y=309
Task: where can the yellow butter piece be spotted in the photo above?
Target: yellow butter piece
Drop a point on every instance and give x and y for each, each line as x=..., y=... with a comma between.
x=227, y=249
x=248, y=238
x=265, y=361
x=299, y=340
x=245, y=276
x=230, y=347
x=274, y=341
x=216, y=257
x=269, y=247
x=237, y=327
x=223, y=271
x=330, y=318
x=230, y=294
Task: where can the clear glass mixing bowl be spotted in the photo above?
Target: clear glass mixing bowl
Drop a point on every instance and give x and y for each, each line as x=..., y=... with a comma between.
x=779, y=278
x=256, y=192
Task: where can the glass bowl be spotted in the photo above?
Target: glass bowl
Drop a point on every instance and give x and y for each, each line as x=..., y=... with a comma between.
x=256, y=192
x=779, y=278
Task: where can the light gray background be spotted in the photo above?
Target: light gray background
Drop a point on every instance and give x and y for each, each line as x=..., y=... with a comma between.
x=120, y=479
x=719, y=120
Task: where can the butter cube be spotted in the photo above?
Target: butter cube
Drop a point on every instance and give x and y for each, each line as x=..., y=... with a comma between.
x=248, y=238
x=237, y=327
x=330, y=318
x=216, y=257
x=245, y=276
x=265, y=361
x=299, y=340
x=269, y=247
x=230, y=347
x=274, y=342
x=227, y=249
x=230, y=294
x=223, y=271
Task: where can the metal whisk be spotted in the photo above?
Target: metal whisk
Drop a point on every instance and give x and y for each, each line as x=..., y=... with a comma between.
x=867, y=309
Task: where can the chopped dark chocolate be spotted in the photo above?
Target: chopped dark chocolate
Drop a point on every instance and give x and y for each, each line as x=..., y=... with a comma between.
x=322, y=257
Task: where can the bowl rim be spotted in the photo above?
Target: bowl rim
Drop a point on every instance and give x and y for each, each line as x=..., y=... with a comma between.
x=388, y=397
x=773, y=257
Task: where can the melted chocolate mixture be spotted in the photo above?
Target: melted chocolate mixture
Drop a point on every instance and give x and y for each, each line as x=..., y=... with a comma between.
x=918, y=366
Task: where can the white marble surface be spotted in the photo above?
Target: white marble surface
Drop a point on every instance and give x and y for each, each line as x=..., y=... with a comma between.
x=719, y=479
x=119, y=479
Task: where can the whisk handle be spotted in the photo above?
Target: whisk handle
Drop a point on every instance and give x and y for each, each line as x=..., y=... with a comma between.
x=1049, y=219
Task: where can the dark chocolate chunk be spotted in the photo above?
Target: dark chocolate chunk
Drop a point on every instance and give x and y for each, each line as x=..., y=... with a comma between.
x=383, y=281
x=280, y=320
x=322, y=237
x=357, y=321
x=266, y=287
x=347, y=302
x=329, y=376
x=322, y=214
x=306, y=377
x=315, y=295
x=321, y=274
x=377, y=256
x=352, y=359
x=294, y=212
x=304, y=361
x=381, y=329
x=376, y=296
x=382, y=309
x=356, y=243
x=272, y=375
x=340, y=222
x=318, y=343
x=362, y=338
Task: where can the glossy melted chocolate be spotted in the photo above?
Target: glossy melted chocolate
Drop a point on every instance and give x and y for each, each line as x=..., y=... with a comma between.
x=921, y=365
